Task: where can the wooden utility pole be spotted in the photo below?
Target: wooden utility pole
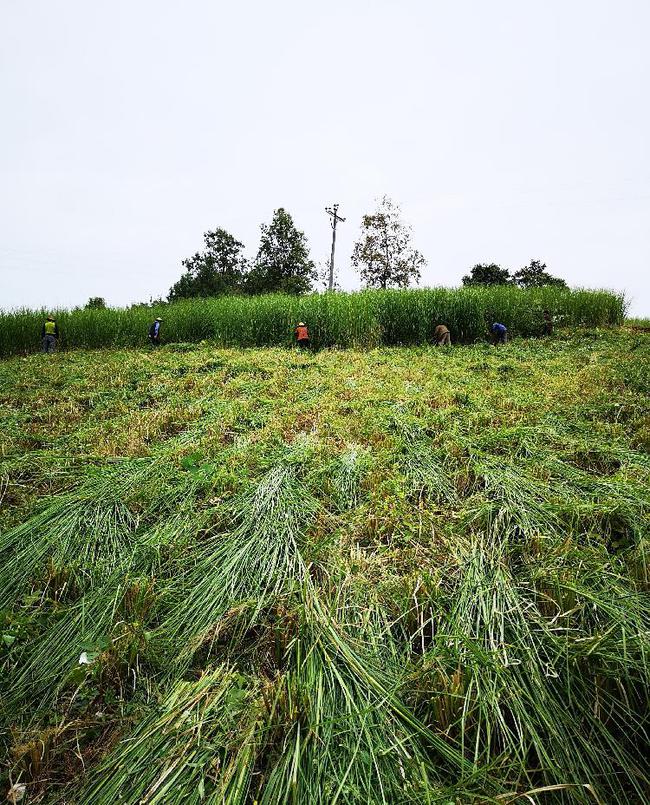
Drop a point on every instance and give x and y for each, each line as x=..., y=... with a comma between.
x=332, y=212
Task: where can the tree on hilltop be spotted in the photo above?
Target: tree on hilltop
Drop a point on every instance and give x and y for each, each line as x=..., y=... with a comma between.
x=487, y=274
x=383, y=255
x=95, y=303
x=220, y=269
x=282, y=264
x=535, y=275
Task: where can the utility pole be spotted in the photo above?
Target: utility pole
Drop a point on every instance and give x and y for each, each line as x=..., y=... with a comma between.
x=333, y=213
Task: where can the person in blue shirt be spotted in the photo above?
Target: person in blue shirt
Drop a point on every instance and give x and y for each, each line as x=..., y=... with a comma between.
x=499, y=333
x=154, y=333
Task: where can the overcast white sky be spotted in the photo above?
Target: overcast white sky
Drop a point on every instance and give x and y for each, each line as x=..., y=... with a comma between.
x=506, y=130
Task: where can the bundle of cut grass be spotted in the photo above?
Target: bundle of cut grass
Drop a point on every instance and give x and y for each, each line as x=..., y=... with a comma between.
x=499, y=679
x=337, y=731
x=511, y=503
x=44, y=663
x=429, y=472
x=37, y=668
x=346, y=476
x=194, y=747
x=600, y=611
x=89, y=528
x=257, y=561
x=93, y=529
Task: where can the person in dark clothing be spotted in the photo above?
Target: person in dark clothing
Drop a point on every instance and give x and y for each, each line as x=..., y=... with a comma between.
x=442, y=336
x=49, y=334
x=154, y=333
x=499, y=333
x=302, y=335
x=548, y=323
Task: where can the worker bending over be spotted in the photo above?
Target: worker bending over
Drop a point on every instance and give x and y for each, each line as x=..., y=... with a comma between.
x=441, y=336
x=499, y=333
x=302, y=335
x=49, y=334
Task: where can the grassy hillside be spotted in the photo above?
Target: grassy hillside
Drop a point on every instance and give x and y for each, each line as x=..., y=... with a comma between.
x=369, y=318
x=396, y=575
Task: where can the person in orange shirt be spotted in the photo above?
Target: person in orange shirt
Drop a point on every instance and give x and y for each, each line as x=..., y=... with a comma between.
x=302, y=335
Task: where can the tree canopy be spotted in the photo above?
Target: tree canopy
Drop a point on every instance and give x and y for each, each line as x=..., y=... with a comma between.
x=487, y=274
x=383, y=255
x=220, y=269
x=282, y=264
x=535, y=275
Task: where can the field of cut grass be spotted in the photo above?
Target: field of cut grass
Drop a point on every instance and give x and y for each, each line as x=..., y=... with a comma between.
x=401, y=575
x=362, y=319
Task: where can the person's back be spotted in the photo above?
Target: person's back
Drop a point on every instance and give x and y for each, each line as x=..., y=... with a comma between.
x=49, y=334
x=499, y=333
x=302, y=334
x=441, y=336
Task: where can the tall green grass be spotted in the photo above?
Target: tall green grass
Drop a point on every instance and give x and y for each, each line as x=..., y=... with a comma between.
x=367, y=318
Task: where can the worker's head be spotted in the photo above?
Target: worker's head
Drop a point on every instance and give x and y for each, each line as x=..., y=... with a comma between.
x=50, y=318
x=301, y=324
x=158, y=319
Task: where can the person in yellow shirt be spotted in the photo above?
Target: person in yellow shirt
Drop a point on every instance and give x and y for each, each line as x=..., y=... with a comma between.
x=49, y=334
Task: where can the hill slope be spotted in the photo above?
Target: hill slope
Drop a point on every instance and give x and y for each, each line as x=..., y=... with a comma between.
x=402, y=575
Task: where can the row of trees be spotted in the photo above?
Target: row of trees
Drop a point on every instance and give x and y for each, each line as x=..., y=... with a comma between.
x=383, y=256
x=282, y=263
x=534, y=275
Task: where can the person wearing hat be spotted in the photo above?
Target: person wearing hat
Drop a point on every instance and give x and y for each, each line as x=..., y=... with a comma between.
x=302, y=335
x=49, y=334
x=154, y=333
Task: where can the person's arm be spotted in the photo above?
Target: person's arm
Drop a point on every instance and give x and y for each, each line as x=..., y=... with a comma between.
x=56, y=330
x=43, y=331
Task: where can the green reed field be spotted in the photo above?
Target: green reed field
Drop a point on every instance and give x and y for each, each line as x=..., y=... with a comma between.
x=368, y=318
x=396, y=575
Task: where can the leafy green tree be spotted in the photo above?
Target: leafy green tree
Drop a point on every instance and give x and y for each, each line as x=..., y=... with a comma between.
x=383, y=255
x=95, y=303
x=535, y=275
x=220, y=269
x=487, y=274
x=282, y=264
